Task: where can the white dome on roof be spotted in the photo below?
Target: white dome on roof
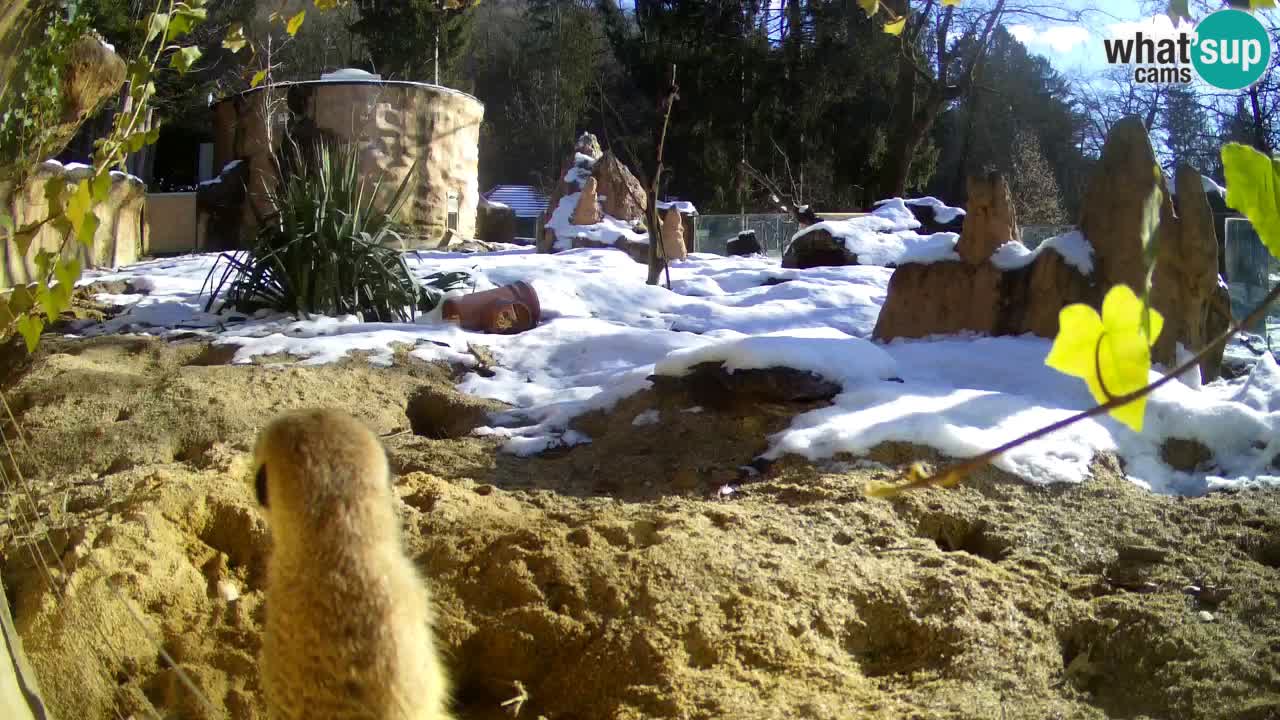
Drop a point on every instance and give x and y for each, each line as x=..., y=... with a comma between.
x=350, y=74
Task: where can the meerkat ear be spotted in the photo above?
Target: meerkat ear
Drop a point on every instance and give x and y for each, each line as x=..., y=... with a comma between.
x=260, y=485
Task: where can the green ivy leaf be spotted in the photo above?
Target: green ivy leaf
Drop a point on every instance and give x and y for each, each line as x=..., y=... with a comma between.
x=79, y=213
x=68, y=272
x=23, y=237
x=22, y=299
x=101, y=187
x=1253, y=188
x=183, y=20
x=6, y=224
x=158, y=23
x=895, y=27
x=31, y=326
x=185, y=58
x=258, y=77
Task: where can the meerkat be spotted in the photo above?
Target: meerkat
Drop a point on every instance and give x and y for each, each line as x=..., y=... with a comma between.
x=348, y=618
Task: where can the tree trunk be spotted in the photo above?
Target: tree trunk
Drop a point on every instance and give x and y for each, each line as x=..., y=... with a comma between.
x=897, y=167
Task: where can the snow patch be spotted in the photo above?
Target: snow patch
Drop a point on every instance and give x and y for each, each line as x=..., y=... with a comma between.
x=608, y=231
x=1073, y=247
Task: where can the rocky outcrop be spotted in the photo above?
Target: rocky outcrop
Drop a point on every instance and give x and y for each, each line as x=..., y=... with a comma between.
x=219, y=205
x=673, y=246
x=745, y=244
x=121, y=233
x=624, y=197
x=1021, y=292
x=990, y=221
x=495, y=222
x=587, y=211
x=817, y=248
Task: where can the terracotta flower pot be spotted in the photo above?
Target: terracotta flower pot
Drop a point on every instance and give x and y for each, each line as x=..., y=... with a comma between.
x=506, y=310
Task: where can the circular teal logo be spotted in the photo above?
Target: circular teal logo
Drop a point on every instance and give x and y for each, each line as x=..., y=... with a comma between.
x=1233, y=50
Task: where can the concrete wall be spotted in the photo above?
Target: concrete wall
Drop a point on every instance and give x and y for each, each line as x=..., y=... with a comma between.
x=396, y=124
x=172, y=225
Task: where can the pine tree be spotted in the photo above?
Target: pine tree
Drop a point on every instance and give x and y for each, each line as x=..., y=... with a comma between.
x=420, y=40
x=1187, y=138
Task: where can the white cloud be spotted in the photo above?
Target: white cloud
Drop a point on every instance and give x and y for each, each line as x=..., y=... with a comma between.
x=1155, y=27
x=1061, y=38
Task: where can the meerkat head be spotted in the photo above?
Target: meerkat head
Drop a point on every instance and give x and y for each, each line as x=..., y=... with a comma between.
x=318, y=471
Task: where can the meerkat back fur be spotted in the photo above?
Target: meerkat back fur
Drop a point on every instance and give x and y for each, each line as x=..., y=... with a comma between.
x=348, y=618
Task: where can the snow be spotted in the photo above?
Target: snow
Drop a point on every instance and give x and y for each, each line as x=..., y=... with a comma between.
x=581, y=170
x=608, y=231
x=350, y=74
x=887, y=238
x=942, y=213
x=684, y=207
x=604, y=332
x=648, y=417
x=1073, y=247
x=1209, y=184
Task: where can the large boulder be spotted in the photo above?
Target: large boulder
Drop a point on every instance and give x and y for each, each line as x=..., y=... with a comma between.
x=991, y=220
x=673, y=245
x=1014, y=291
x=817, y=248
x=745, y=244
x=587, y=211
x=495, y=222
x=624, y=197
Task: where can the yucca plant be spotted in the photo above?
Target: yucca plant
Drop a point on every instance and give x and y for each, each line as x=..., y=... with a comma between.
x=326, y=246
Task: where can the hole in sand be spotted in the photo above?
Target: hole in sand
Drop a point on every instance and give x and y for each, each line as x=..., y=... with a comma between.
x=975, y=537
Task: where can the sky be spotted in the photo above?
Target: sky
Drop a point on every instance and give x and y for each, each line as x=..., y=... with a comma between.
x=1077, y=49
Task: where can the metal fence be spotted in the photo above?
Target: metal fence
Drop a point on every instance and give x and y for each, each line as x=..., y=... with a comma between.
x=712, y=233
x=1251, y=273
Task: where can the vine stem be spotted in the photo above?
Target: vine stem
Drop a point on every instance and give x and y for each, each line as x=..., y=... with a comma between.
x=955, y=472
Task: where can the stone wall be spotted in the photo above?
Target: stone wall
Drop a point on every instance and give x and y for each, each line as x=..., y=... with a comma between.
x=121, y=234
x=396, y=123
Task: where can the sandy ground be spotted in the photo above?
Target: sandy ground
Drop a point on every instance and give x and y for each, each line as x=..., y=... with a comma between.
x=613, y=580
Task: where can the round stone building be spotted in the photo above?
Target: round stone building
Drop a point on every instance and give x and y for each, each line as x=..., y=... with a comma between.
x=395, y=123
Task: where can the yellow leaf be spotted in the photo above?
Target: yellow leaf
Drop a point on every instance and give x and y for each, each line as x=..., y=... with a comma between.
x=871, y=6
x=235, y=39
x=895, y=27
x=1111, y=352
x=326, y=5
x=258, y=77
x=951, y=3
x=79, y=212
x=295, y=22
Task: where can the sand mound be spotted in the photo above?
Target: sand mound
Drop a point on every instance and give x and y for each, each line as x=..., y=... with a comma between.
x=615, y=579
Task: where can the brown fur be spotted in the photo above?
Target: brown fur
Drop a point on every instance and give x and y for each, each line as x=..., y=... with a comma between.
x=348, y=619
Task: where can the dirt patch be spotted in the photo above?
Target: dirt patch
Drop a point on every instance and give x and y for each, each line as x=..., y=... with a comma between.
x=617, y=579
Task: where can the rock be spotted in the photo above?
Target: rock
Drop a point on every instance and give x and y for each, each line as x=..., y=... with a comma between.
x=944, y=298
x=587, y=211
x=1217, y=321
x=219, y=205
x=1184, y=455
x=673, y=247
x=711, y=385
x=625, y=199
x=1185, y=286
x=1206, y=616
x=817, y=248
x=954, y=297
x=495, y=222
x=638, y=251
x=926, y=215
x=588, y=145
x=745, y=244
x=991, y=220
